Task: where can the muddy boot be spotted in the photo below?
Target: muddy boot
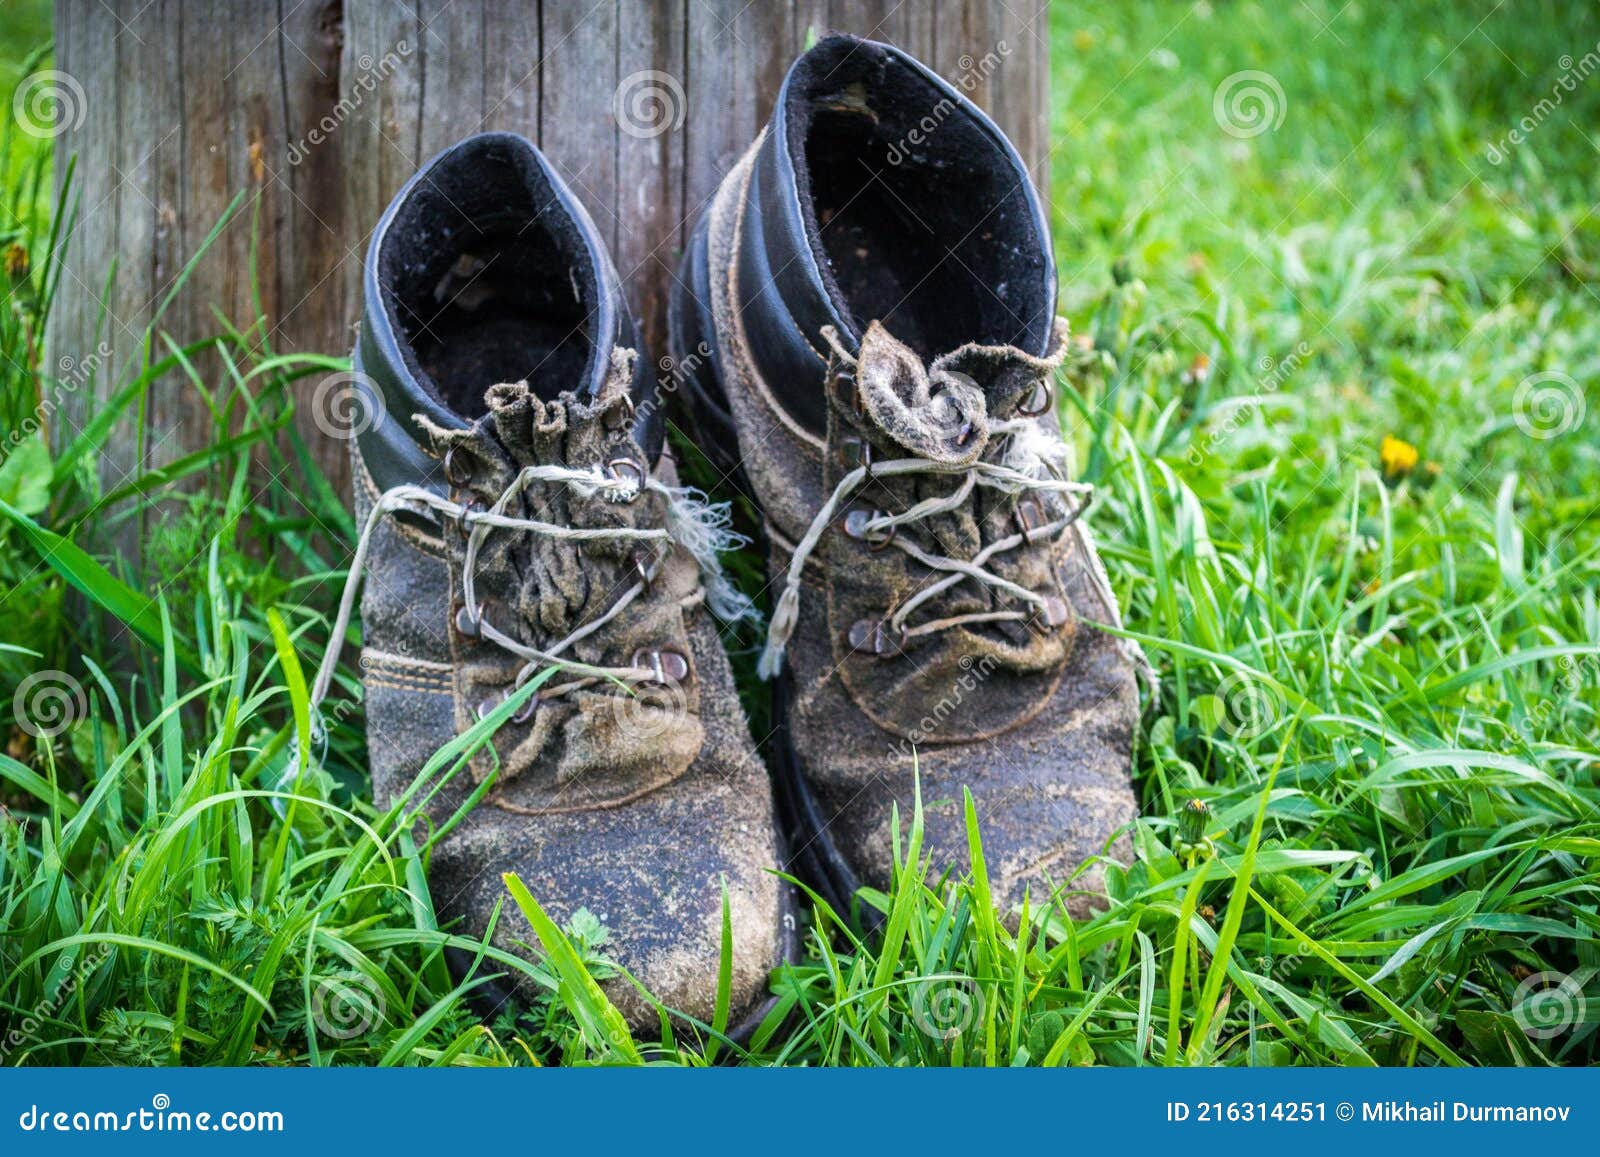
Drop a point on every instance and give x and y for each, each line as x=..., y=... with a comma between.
x=866, y=320
x=520, y=523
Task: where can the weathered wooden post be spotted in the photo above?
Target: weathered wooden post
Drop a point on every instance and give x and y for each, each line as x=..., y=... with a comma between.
x=319, y=110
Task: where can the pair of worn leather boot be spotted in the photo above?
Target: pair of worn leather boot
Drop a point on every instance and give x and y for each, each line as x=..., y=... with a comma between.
x=864, y=339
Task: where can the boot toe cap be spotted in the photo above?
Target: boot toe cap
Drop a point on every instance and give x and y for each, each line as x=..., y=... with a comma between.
x=653, y=875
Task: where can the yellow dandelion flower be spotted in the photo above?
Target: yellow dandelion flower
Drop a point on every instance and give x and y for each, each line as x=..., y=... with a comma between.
x=1397, y=457
x=16, y=261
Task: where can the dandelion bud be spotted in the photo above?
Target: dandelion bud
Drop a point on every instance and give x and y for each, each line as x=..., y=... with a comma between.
x=1192, y=821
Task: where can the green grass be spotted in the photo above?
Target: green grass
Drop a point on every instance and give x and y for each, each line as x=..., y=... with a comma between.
x=24, y=48
x=1380, y=685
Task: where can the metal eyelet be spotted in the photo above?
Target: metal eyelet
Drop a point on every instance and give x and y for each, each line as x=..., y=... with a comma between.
x=468, y=625
x=627, y=470
x=488, y=703
x=526, y=712
x=856, y=453
x=1029, y=518
x=844, y=379
x=619, y=414
x=647, y=565
x=463, y=523
x=456, y=471
x=855, y=525
x=874, y=637
x=667, y=666
x=1053, y=615
x=1036, y=401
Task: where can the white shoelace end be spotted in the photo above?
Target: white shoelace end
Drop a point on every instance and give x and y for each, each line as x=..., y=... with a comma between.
x=784, y=618
x=771, y=661
x=705, y=530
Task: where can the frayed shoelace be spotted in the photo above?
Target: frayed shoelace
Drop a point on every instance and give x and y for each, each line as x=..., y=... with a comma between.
x=699, y=526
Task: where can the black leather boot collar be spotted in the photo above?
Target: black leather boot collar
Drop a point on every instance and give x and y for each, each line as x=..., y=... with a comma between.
x=858, y=115
x=469, y=241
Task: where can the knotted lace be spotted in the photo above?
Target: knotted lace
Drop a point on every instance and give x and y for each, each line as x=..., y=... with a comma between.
x=700, y=527
x=1031, y=462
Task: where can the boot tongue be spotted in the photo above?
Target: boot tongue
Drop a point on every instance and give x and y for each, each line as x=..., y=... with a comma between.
x=972, y=407
x=944, y=412
x=590, y=431
x=1007, y=375
x=598, y=745
x=940, y=415
x=552, y=584
x=576, y=430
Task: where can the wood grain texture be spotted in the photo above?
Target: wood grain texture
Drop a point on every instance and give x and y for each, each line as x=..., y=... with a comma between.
x=318, y=110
